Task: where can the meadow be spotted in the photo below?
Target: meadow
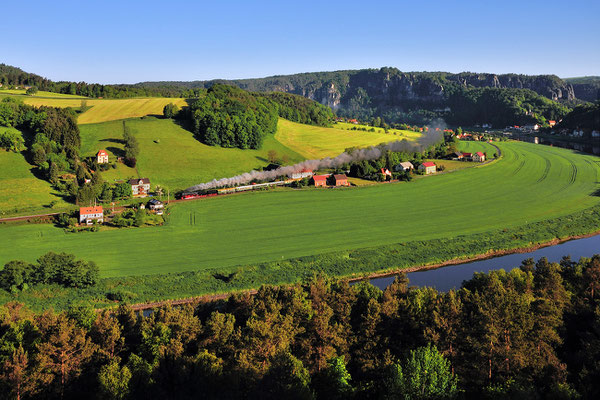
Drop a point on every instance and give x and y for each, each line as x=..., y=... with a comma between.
x=314, y=142
x=102, y=110
x=173, y=158
x=529, y=184
x=21, y=192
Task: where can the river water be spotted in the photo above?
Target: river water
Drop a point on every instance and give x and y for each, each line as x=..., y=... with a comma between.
x=452, y=276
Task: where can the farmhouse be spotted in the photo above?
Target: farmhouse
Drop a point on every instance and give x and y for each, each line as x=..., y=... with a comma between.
x=102, y=157
x=305, y=173
x=467, y=156
x=478, y=157
x=458, y=156
x=551, y=123
x=156, y=205
x=140, y=187
x=428, y=167
x=386, y=172
x=404, y=166
x=88, y=215
x=320, y=180
x=341, y=180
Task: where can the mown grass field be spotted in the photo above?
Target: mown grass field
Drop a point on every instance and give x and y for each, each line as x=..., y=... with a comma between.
x=41, y=93
x=530, y=183
x=315, y=142
x=398, y=132
x=102, y=110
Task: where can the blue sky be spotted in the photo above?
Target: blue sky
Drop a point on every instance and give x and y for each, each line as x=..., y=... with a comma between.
x=131, y=41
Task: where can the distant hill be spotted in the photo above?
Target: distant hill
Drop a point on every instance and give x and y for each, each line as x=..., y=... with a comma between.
x=586, y=87
x=414, y=97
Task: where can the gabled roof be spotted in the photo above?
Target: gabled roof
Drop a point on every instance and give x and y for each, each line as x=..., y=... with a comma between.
x=145, y=181
x=428, y=164
x=467, y=154
x=320, y=177
x=90, y=210
x=340, y=177
x=458, y=154
x=407, y=164
x=480, y=154
x=155, y=201
x=102, y=153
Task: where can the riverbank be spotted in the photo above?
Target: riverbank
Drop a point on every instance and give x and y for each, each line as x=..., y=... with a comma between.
x=148, y=291
x=377, y=275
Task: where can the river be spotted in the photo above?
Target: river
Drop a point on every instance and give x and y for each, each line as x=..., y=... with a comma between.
x=451, y=277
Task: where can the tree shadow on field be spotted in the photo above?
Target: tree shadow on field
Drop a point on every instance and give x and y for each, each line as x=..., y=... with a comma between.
x=113, y=140
x=116, y=151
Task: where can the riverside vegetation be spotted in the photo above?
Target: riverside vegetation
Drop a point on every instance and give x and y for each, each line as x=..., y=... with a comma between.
x=530, y=333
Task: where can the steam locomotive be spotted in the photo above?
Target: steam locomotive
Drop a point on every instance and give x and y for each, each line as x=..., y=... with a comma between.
x=228, y=190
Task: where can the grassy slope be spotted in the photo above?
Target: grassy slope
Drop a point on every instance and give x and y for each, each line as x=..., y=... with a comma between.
x=317, y=142
x=20, y=190
x=104, y=109
x=530, y=183
x=178, y=160
x=20, y=92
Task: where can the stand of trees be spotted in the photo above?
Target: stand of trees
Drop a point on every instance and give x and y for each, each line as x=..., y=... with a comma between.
x=62, y=269
x=55, y=142
x=232, y=117
x=530, y=333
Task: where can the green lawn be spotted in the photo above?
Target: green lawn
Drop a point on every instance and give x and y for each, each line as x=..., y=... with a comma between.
x=530, y=183
x=398, y=132
x=21, y=192
x=40, y=93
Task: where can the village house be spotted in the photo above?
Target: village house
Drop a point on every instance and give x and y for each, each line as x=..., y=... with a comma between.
x=88, y=215
x=386, y=172
x=551, y=123
x=467, y=156
x=353, y=121
x=341, y=180
x=320, y=180
x=458, y=156
x=427, y=167
x=305, y=173
x=102, y=157
x=156, y=205
x=404, y=166
x=478, y=157
x=140, y=187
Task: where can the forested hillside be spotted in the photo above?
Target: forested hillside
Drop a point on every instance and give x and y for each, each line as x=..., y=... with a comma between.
x=227, y=116
x=585, y=116
x=417, y=97
x=531, y=333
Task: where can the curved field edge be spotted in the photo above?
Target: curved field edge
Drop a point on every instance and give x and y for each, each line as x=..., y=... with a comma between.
x=342, y=264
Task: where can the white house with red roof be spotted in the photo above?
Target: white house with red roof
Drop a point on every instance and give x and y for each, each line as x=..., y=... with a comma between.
x=102, y=157
x=478, y=157
x=140, y=187
x=88, y=215
x=428, y=167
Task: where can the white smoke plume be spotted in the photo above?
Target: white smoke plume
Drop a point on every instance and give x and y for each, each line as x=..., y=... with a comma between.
x=433, y=135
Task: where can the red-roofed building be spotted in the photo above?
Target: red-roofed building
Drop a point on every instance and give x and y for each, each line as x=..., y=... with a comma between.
x=102, y=157
x=467, y=156
x=353, y=121
x=428, y=167
x=478, y=157
x=341, y=180
x=320, y=180
x=88, y=215
x=551, y=123
x=386, y=172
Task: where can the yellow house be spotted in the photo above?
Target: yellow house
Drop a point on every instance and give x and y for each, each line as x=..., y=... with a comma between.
x=427, y=167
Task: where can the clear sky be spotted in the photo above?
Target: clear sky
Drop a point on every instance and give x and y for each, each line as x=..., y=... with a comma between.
x=130, y=41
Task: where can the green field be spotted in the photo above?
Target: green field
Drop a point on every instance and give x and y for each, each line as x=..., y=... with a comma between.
x=530, y=183
x=20, y=190
x=315, y=142
x=173, y=158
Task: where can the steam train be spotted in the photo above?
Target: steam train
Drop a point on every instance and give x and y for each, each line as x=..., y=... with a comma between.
x=228, y=190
